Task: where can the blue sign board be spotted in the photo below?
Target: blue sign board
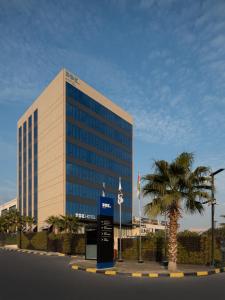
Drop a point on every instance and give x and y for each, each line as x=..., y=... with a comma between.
x=105, y=233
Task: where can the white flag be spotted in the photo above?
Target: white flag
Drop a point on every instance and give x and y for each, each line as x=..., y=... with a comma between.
x=103, y=189
x=120, y=193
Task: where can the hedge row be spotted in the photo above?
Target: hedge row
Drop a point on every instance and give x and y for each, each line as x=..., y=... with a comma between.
x=153, y=248
x=191, y=250
x=8, y=239
x=67, y=243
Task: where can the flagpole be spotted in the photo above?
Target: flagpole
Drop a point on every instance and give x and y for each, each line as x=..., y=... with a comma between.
x=120, y=255
x=120, y=201
x=139, y=197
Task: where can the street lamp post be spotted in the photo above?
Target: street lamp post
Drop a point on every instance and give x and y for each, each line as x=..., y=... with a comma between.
x=213, y=202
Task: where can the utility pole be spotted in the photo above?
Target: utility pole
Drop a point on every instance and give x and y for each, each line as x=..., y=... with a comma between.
x=213, y=202
x=212, y=220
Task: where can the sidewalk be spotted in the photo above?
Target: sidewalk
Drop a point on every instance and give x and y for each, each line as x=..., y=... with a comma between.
x=147, y=268
x=15, y=248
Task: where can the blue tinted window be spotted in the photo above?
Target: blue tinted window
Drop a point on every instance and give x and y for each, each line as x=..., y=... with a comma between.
x=35, y=117
x=97, y=177
x=20, y=170
x=30, y=122
x=30, y=166
x=93, y=105
x=85, y=192
x=24, y=168
x=97, y=139
x=93, y=158
x=35, y=160
x=99, y=143
x=81, y=210
x=98, y=125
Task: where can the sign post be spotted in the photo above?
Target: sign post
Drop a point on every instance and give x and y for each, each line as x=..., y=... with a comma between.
x=105, y=234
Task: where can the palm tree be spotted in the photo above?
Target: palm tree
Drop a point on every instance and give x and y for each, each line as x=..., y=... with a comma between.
x=3, y=225
x=74, y=224
x=55, y=222
x=29, y=222
x=12, y=221
x=175, y=187
x=69, y=223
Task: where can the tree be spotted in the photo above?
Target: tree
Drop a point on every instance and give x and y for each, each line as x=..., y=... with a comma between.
x=69, y=223
x=55, y=222
x=29, y=221
x=12, y=221
x=63, y=223
x=3, y=225
x=174, y=187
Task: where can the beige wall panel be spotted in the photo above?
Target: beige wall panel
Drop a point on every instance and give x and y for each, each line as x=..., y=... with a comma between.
x=51, y=148
x=52, y=208
x=53, y=190
x=51, y=152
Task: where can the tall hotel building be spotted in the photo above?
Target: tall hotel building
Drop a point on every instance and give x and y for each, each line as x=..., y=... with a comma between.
x=70, y=141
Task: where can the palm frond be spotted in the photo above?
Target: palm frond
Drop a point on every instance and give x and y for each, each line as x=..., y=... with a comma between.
x=185, y=160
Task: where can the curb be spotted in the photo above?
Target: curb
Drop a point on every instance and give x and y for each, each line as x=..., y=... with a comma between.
x=33, y=252
x=128, y=274
x=150, y=275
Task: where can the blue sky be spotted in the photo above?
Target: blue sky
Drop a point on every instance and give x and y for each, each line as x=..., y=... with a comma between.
x=163, y=61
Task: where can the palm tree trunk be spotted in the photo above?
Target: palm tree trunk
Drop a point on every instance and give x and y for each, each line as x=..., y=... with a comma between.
x=172, y=243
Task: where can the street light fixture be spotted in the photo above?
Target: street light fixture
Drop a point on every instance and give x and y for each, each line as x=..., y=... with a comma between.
x=213, y=202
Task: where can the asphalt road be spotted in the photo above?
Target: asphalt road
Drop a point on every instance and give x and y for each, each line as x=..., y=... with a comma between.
x=29, y=276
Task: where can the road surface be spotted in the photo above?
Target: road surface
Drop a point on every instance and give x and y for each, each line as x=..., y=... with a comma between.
x=29, y=277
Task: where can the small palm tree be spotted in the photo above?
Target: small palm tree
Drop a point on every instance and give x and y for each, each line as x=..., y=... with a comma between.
x=69, y=223
x=3, y=225
x=74, y=224
x=29, y=222
x=12, y=221
x=55, y=222
x=175, y=187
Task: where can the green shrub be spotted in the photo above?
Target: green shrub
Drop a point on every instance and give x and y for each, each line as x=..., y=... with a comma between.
x=78, y=244
x=192, y=248
x=40, y=241
x=52, y=242
x=11, y=239
x=67, y=240
x=19, y=239
x=25, y=242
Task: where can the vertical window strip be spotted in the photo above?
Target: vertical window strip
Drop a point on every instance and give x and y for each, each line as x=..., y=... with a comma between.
x=35, y=166
x=30, y=166
x=25, y=168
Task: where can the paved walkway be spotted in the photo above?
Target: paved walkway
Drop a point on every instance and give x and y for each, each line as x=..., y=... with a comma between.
x=15, y=248
x=129, y=266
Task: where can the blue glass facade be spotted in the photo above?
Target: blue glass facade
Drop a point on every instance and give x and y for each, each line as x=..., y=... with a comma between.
x=98, y=149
